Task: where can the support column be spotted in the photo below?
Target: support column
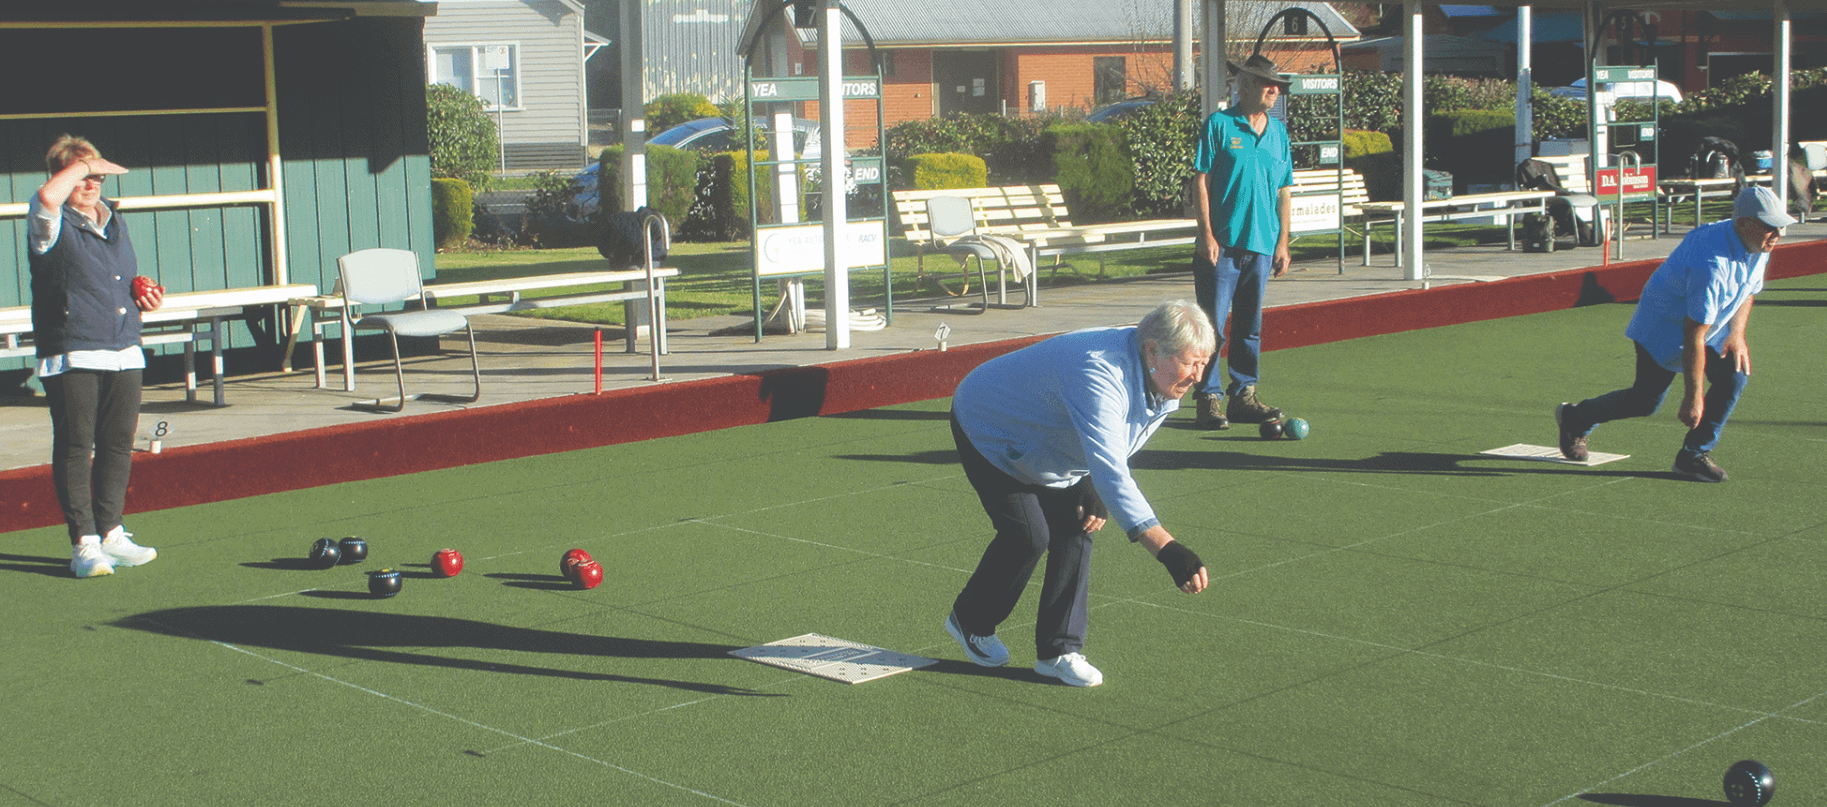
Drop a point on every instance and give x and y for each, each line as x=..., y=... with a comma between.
x=1779, y=145
x=1216, y=91
x=1525, y=83
x=1412, y=124
x=831, y=166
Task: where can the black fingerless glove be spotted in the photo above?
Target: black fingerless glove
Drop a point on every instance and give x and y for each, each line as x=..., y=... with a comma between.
x=1088, y=502
x=1180, y=562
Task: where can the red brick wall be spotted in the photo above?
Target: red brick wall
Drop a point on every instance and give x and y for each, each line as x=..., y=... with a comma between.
x=1071, y=77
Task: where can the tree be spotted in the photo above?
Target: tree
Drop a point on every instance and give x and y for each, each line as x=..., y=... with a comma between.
x=464, y=143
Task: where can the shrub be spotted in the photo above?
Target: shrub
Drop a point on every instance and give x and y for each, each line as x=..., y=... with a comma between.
x=672, y=181
x=552, y=219
x=1092, y=166
x=1010, y=147
x=723, y=194
x=1372, y=155
x=464, y=144
x=949, y=170
x=670, y=110
x=1161, y=139
x=1475, y=145
x=453, y=211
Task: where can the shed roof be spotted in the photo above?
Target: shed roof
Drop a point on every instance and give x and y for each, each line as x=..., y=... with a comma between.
x=988, y=22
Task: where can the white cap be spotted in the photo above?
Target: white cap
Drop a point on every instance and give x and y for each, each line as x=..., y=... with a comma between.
x=1758, y=202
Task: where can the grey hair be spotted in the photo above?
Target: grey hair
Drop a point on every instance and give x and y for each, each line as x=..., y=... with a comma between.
x=1176, y=326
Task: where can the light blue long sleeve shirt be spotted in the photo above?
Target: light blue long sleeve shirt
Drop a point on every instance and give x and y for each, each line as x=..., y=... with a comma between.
x=1075, y=404
x=1706, y=279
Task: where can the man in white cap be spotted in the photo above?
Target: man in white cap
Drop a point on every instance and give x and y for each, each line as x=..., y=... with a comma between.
x=1691, y=320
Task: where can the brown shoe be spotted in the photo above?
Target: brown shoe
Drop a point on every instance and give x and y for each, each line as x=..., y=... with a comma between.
x=1573, y=446
x=1244, y=408
x=1206, y=414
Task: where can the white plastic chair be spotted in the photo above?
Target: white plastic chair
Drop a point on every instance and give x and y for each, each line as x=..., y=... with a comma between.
x=384, y=276
x=949, y=219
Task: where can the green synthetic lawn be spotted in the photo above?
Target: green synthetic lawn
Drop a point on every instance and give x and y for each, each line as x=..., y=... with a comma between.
x=1393, y=619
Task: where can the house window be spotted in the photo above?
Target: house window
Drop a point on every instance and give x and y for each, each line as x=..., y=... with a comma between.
x=490, y=72
x=1110, y=79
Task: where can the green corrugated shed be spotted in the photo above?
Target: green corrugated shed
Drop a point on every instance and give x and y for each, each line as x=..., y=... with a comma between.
x=350, y=100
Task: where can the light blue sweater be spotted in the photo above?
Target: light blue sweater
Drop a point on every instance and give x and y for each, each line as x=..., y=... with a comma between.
x=1075, y=404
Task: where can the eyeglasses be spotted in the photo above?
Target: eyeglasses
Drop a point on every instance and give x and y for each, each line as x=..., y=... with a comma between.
x=96, y=178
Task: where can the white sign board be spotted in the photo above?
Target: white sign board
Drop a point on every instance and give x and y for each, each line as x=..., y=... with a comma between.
x=495, y=57
x=801, y=248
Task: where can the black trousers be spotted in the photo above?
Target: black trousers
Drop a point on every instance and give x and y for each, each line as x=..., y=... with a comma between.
x=1030, y=520
x=93, y=412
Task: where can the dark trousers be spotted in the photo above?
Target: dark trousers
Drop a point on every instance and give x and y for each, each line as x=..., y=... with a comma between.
x=92, y=413
x=1030, y=520
x=1233, y=289
x=1644, y=396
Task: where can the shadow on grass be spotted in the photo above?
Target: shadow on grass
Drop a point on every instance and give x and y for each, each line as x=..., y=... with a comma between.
x=385, y=637
x=934, y=457
x=36, y=564
x=891, y=414
x=1389, y=462
x=1633, y=800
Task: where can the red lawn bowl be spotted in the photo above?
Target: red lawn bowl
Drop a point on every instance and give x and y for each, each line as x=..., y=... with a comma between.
x=572, y=558
x=588, y=574
x=447, y=562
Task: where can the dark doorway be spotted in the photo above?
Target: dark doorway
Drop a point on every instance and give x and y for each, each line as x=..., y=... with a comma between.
x=967, y=81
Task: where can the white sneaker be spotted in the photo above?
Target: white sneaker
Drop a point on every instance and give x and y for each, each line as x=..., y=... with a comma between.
x=1072, y=668
x=120, y=548
x=985, y=651
x=87, y=558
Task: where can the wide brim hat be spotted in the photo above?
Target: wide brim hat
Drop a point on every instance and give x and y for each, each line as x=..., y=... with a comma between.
x=1261, y=67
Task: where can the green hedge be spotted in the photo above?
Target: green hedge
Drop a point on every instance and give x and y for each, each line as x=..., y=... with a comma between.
x=1373, y=155
x=672, y=181
x=946, y=170
x=1475, y=145
x=453, y=211
x=1091, y=164
x=725, y=216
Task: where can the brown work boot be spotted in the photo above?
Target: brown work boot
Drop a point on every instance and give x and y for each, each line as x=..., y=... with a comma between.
x=1206, y=414
x=1244, y=408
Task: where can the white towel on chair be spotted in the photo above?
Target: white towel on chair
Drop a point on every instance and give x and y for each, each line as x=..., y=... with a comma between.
x=1009, y=252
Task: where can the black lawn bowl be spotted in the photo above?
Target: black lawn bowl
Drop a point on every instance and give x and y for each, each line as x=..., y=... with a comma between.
x=384, y=583
x=325, y=553
x=355, y=550
x=1749, y=784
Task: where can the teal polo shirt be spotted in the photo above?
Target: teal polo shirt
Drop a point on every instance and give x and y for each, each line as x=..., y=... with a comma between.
x=1245, y=173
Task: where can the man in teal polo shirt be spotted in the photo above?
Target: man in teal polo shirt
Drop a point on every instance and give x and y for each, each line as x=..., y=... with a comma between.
x=1244, y=174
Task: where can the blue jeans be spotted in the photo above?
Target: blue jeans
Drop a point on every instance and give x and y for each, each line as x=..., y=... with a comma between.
x=1644, y=397
x=1233, y=288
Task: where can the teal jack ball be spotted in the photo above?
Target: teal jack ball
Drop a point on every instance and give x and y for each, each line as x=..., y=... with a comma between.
x=1297, y=429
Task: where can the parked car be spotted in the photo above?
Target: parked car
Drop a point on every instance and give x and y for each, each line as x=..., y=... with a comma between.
x=1623, y=90
x=721, y=134
x=1119, y=110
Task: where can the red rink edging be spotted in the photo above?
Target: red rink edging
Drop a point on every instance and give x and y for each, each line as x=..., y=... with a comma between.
x=391, y=446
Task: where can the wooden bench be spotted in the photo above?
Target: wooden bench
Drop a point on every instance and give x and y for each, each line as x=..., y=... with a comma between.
x=1036, y=215
x=185, y=318
x=1501, y=204
x=498, y=296
x=1328, y=200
